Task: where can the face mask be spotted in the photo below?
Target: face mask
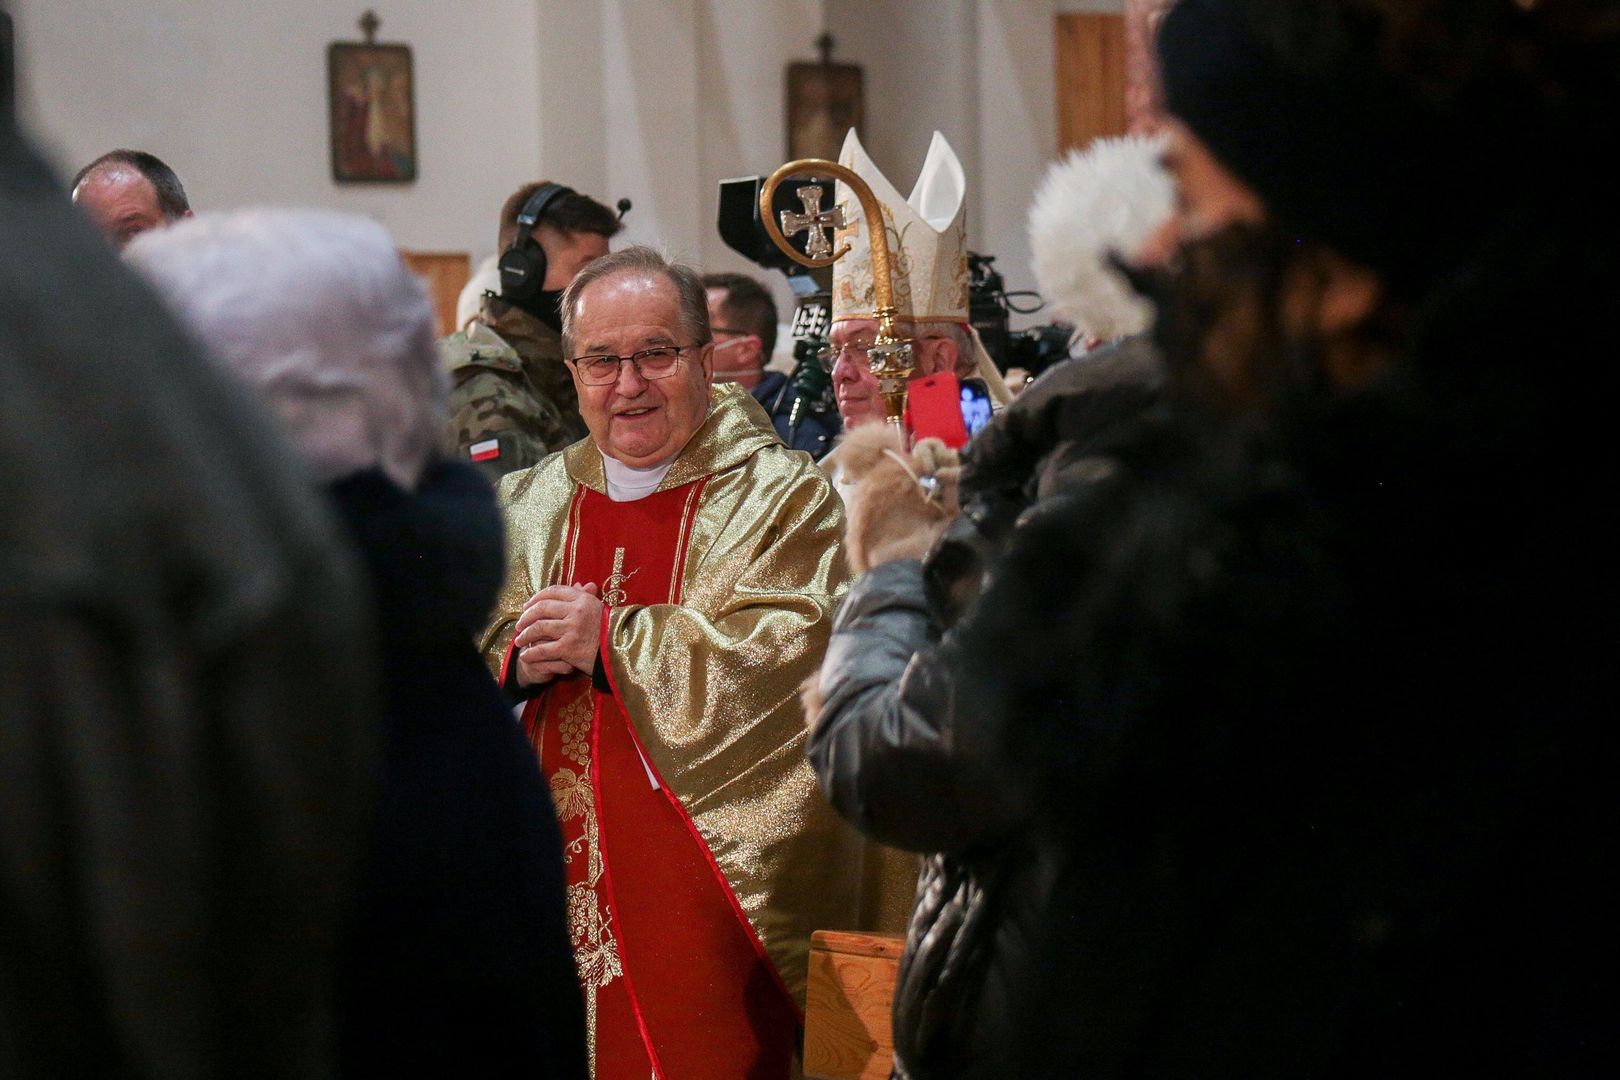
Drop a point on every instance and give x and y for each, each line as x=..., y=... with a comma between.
x=545, y=306
x=732, y=373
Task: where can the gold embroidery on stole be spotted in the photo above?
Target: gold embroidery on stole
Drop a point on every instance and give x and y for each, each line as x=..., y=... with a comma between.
x=613, y=594
x=596, y=953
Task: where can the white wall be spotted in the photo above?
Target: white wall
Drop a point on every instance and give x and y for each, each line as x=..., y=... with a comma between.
x=232, y=94
x=1017, y=116
x=656, y=100
x=659, y=100
x=982, y=72
x=744, y=49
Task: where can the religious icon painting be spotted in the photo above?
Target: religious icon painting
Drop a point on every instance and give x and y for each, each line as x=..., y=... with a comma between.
x=824, y=100
x=372, y=96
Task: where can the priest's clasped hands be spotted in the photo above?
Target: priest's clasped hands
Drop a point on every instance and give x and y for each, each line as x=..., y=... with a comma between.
x=558, y=633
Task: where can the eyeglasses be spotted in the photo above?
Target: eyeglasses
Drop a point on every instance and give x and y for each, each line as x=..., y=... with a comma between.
x=601, y=369
x=829, y=355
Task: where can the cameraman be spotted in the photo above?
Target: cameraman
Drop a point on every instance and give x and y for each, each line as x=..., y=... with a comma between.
x=742, y=317
x=512, y=400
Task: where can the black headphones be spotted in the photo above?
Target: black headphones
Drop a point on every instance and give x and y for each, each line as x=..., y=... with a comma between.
x=523, y=265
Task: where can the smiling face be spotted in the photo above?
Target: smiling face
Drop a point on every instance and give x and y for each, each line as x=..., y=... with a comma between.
x=640, y=422
x=122, y=203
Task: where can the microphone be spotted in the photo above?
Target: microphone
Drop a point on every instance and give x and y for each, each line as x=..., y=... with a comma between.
x=624, y=208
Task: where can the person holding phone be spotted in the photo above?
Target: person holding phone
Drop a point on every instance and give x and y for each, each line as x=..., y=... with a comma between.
x=929, y=266
x=1277, y=748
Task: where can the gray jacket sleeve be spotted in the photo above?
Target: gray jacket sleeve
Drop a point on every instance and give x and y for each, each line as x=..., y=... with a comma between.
x=895, y=753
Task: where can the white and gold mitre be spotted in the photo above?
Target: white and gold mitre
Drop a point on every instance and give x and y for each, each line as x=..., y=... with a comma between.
x=927, y=239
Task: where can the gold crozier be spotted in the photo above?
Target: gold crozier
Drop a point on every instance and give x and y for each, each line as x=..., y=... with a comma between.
x=890, y=353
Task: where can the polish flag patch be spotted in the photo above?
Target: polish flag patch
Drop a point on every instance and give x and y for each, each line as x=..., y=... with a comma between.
x=488, y=450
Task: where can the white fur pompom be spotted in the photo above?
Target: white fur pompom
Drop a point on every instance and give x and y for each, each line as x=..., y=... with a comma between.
x=1110, y=197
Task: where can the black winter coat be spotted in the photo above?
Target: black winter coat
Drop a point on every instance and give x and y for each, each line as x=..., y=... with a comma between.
x=1262, y=754
x=459, y=961
x=901, y=761
x=186, y=687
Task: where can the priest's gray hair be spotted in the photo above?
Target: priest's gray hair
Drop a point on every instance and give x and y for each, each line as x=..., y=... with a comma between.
x=317, y=312
x=689, y=290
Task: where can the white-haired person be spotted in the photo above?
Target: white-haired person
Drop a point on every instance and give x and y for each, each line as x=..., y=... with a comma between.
x=457, y=959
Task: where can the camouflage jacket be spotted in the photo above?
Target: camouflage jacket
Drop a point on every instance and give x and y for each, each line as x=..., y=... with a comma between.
x=511, y=399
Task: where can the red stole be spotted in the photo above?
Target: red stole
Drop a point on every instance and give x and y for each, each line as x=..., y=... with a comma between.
x=677, y=984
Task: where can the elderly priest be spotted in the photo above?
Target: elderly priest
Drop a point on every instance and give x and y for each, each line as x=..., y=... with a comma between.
x=671, y=580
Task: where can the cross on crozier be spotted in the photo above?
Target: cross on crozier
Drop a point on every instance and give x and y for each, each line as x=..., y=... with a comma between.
x=814, y=220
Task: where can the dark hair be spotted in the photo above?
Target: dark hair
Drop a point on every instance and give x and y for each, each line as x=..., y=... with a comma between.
x=748, y=306
x=570, y=213
x=637, y=259
x=171, y=196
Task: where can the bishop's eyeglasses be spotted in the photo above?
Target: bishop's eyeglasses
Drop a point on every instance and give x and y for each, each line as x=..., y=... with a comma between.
x=829, y=355
x=601, y=369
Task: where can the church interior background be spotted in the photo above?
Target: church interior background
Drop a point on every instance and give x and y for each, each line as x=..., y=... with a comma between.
x=651, y=100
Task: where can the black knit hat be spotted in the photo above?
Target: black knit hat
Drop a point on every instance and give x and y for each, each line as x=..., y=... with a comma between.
x=1333, y=145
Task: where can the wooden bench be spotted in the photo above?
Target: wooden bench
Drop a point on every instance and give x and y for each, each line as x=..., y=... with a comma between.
x=847, y=1030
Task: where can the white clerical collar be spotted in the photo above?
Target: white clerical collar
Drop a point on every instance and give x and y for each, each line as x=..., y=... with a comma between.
x=626, y=483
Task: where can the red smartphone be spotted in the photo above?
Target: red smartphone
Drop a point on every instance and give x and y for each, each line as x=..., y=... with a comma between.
x=934, y=409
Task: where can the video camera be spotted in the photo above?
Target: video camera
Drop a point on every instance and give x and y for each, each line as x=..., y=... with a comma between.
x=990, y=307
x=740, y=227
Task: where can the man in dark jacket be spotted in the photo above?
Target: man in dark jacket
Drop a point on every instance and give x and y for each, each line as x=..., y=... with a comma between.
x=742, y=317
x=1273, y=748
x=185, y=688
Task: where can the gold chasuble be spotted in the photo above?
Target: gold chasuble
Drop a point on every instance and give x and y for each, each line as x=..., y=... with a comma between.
x=700, y=854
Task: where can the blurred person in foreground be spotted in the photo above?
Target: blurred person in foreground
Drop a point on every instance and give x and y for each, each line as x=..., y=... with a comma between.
x=186, y=693
x=1309, y=778
x=1092, y=209
x=670, y=581
x=456, y=956
x=742, y=317
x=129, y=192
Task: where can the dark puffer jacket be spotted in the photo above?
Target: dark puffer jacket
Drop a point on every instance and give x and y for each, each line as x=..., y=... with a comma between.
x=458, y=961
x=1288, y=769
x=900, y=760
x=1080, y=410
x=1070, y=427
